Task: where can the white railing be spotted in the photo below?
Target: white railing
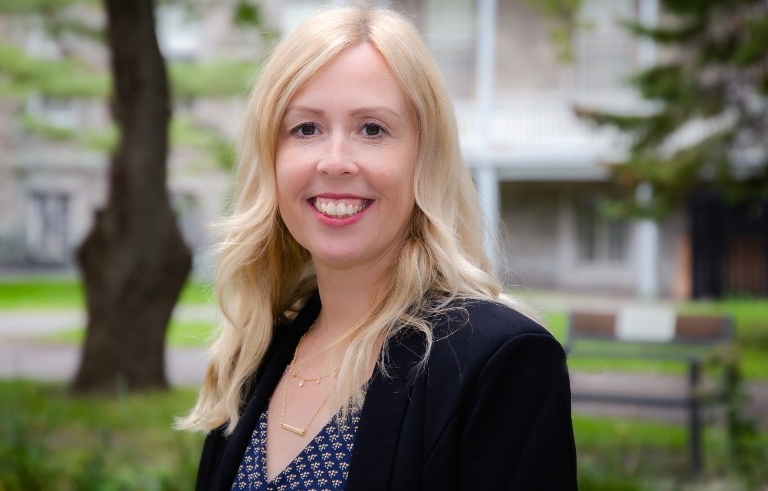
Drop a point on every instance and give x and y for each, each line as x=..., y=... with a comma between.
x=537, y=121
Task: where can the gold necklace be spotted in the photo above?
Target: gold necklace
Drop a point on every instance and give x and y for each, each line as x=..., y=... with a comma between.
x=302, y=380
x=291, y=366
x=294, y=429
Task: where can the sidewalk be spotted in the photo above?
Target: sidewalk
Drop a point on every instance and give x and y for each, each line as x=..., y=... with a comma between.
x=58, y=362
x=23, y=354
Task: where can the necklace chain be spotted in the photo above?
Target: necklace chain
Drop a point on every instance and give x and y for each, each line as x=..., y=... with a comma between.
x=292, y=368
x=302, y=380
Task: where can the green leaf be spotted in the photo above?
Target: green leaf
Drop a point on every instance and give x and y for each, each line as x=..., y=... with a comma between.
x=755, y=47
x=56, y=78
x=210, y=140
x=40, y=127
x=248, y=14
x=223, y=78
x=36, y=7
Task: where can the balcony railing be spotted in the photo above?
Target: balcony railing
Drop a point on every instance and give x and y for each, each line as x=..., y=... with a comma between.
x=541, y=129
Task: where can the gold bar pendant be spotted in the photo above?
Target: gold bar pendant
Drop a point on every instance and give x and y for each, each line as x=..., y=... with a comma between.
x=292, y=429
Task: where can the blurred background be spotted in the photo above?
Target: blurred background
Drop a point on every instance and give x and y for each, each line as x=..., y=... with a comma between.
x=619, y=151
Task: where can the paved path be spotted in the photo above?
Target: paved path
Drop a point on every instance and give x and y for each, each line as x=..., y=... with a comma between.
x=58, y=362
x=37, y=323
x=24, y=355
x=24, y=352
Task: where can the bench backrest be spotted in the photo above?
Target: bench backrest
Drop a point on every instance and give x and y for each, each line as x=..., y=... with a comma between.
x=650, y=326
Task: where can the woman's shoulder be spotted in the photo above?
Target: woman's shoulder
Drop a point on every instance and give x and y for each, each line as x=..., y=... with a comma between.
x=484, y=320
x=476, y=344
x=470, y=331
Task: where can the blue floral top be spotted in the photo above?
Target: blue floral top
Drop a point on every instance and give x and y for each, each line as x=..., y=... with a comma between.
x=323, y=465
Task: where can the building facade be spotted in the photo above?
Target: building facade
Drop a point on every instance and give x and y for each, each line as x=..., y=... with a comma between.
x=541, y=171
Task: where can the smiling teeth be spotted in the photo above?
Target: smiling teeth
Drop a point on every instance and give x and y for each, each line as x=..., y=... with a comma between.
x=338, y=210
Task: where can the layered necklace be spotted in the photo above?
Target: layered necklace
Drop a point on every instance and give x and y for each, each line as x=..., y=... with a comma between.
x=291, y=368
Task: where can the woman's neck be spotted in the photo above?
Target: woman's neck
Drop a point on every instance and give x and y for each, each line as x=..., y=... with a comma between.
x=347, y=298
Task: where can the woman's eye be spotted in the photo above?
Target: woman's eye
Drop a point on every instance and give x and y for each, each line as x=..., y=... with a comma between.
x=372, y=129
x=306, y=129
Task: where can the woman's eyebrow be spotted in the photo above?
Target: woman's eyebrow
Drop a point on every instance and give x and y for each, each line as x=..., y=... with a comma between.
x=373, y=109
x=305, y=109
x=356, y=112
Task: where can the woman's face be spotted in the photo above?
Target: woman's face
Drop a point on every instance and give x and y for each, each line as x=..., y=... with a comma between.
x=345, y=164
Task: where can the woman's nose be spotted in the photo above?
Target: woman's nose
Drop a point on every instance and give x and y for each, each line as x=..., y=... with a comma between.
x=337, y=159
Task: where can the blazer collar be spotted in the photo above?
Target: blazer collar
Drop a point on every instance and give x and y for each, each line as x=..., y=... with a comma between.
x=286, y=339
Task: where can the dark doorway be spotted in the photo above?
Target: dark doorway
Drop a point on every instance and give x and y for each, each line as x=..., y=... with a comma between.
x=729, y=246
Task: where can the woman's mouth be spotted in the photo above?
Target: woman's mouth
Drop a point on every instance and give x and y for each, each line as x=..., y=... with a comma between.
x=340, y=208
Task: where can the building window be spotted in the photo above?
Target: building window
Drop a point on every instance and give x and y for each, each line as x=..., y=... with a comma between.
x=600, y=238
x=53, y=111
x=58, y=112
x=47, y=218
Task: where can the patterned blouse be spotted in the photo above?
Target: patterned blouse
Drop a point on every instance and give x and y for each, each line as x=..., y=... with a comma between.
x=323, y=465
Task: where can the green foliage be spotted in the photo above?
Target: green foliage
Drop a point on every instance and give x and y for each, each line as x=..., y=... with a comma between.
x=66, y=76
x=18, y=7
x=595, y=480
x=248, y=13
x=706, y=106
x=69, y=77
x=23, y=75
x=39, y=126
x=223, y=78
x=182, y=133
x=564, y=10
x=564, y=14
x=24, y=460
x=746, y=448
x=210, y=140
x=52, y=442
x=103, y=140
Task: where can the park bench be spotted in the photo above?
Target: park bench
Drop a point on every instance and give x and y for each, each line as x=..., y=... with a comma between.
x=646, y=333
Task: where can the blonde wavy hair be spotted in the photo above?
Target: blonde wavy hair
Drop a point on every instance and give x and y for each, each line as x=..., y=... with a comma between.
x=264, y=276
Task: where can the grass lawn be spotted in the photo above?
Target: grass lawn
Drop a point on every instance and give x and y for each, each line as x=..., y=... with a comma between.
x=630, y=455
x=54, y=294
x=41, y=294
x=55, y=442
x=50, y=294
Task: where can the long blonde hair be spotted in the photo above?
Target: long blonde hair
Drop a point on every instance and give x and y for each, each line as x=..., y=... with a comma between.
x=264, y=276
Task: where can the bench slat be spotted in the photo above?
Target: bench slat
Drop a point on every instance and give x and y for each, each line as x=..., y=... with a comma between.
x=689, y=329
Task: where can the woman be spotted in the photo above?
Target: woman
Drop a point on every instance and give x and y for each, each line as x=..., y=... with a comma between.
x=366, y=344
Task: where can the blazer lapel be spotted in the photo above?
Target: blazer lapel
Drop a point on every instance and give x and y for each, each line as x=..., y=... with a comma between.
x=385, y=403
x=377, y=436
x=266, y=383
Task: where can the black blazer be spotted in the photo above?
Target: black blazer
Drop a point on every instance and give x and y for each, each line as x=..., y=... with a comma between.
x=491, y=411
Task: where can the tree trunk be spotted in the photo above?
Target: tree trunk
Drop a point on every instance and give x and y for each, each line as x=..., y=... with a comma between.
x=134, y=260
